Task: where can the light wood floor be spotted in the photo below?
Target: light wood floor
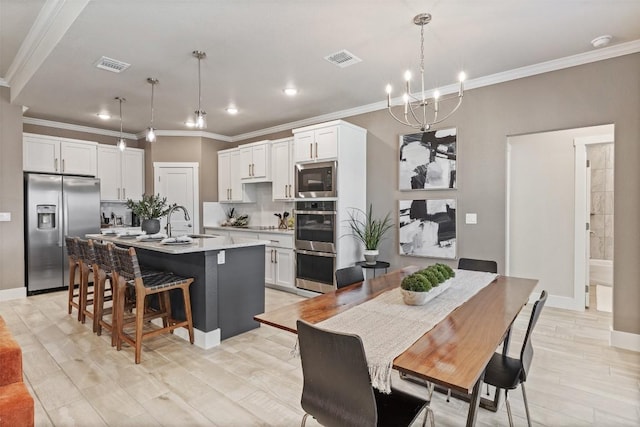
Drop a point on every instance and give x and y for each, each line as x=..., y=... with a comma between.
x=77, y=379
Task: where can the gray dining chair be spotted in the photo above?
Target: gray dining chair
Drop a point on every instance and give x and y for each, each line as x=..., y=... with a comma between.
x=348, y=276
x=337, y=388
x=508, y=373
x=478, y=265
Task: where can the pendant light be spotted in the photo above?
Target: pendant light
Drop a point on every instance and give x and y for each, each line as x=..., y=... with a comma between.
x=151, y=132
x=122, y=143
x=201, y=121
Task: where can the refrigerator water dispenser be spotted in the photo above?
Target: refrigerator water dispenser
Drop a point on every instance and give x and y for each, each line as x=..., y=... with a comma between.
x=46, y=216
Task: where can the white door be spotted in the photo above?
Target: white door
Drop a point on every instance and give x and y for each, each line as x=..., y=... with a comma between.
x=281, y=170
x=588, y=233
x=132, y=174
x=109, y=172
x=179, y=184
x=41, y=154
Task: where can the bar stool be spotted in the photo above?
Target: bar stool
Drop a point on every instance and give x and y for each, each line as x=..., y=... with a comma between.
x=86, y=260
x=128, y=274
x=102, y=270
x=74, y=268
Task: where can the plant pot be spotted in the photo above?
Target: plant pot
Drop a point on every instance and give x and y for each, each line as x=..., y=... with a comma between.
x=150, y=226
x=371, y=256
x=415, y=298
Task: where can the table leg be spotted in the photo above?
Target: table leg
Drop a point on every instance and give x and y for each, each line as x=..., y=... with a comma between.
x=475, y=402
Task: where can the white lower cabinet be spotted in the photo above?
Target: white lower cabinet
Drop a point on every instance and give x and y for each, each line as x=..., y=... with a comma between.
x=279, y=260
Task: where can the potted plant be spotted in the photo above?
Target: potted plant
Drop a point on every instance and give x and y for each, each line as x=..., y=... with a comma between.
x=426, y=284
x=369, y=230
x=149, y=209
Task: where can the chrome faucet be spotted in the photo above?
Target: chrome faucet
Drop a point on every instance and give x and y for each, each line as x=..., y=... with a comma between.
x=186, y=217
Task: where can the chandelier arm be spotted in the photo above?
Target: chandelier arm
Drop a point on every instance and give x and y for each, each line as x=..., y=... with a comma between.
x=406, y=123
x=450, y=113
x=413, y=113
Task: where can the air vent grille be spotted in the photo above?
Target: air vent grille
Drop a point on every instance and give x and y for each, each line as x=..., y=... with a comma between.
x=343, y=58
x=112, y=65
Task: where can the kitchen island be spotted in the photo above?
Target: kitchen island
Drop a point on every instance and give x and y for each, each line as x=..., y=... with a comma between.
x=228, y=289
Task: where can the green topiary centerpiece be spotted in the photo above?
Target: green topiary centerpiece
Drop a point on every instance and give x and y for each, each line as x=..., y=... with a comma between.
x=417, y=286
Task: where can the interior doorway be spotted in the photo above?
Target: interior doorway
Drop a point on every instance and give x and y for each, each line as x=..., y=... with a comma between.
x=547, y=213
x=178, y=182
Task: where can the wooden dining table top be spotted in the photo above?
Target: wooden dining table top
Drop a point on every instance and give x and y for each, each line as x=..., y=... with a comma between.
x=455, y=352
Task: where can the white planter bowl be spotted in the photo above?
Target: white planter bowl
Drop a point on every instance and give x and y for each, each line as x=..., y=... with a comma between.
x=421, y=298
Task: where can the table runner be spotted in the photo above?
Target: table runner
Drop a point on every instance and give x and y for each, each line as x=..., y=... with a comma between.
x=387, y=326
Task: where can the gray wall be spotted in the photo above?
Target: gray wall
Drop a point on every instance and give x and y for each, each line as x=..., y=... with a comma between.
x=11, y=194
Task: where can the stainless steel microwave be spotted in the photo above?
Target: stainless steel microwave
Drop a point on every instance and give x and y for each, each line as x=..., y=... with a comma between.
x=315, y=180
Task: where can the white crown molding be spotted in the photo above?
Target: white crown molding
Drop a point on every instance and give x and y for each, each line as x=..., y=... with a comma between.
x=195, y=133
x=518, y=73
x=4, y=83
x=53, y=21
x=78, y=128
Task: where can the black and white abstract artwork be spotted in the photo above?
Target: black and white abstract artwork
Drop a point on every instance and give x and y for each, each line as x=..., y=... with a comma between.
x=428, y=228
x=428, y=160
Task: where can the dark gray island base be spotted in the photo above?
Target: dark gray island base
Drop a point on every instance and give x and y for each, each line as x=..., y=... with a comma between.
x=228, y=289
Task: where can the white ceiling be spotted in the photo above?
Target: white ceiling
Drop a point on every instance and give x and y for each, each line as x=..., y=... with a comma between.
x=255, y=48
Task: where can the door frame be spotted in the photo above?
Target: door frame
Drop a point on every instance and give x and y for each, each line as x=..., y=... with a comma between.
x=581, y=263
x=195, y=166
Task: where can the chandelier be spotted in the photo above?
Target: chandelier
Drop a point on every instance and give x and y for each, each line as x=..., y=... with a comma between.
x=151, y=132
x=421, y=112
x=201, y=121
x=122, y=143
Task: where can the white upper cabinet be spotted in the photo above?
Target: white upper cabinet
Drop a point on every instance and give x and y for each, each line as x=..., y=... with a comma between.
x=282, y=169
x=255, y=162
x=230, y=186
x=121, y=173
x=42, y=153
x=316, y=144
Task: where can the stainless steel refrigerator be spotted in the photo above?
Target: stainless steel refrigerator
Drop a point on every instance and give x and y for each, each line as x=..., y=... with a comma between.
x=56, y=206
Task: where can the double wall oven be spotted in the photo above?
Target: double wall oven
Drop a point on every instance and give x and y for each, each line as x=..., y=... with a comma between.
x=315, y=245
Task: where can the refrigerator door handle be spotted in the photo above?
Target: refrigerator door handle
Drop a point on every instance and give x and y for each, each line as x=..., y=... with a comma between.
x=65, y=217
x=60, y=228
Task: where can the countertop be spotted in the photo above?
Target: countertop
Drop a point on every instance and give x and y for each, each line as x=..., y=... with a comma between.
x=199, y=244
x=252, y=228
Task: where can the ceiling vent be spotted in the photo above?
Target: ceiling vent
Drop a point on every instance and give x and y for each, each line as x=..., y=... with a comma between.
x=343, y=58
x=112, y=65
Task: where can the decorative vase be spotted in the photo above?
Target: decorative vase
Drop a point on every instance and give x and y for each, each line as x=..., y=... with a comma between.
x=414, y=298
x=371, y=256
x=150, y=226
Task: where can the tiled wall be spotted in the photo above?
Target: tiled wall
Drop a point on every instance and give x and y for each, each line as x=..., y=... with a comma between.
x=601, y=159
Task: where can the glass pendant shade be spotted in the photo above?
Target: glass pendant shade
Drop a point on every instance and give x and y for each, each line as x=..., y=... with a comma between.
x=201, y=119
x=151, y=135
x=122, y=144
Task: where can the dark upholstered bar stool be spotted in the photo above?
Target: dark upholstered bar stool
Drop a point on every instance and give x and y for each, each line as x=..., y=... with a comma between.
x=74, y=270
x=128, y=274
x=86, y=258
x=102, y=270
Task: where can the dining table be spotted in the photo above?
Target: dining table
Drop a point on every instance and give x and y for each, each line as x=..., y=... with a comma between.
x=454, y=353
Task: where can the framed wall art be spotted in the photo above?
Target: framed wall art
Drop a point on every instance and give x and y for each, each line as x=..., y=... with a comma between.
x=427, y=228
x=428, y=160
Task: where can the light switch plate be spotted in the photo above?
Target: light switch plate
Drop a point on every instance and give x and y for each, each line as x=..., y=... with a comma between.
x=471, y=218
x=221, y=257
x=5, y=216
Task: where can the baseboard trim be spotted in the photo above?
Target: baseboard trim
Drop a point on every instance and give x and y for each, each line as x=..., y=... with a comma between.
x=13, y=293
x=625, y=340
x=556, y=301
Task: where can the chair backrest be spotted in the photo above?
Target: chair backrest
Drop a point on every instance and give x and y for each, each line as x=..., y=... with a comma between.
x=526, y=354
x=348, y=275
x=104, y=256
x=127, y=264
x=72, y=247
x=86, y=254
x=337, y=388
x=478, y=265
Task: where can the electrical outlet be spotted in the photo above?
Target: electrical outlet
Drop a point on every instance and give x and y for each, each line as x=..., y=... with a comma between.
x=5, y=216
x=221, y=257
x=471, y=218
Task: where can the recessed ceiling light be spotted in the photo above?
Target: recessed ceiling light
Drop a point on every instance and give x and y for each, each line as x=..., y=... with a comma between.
x=104, y=116
x=190, y=124
x=232, y=110
x=290, y=91
x=601, y=41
